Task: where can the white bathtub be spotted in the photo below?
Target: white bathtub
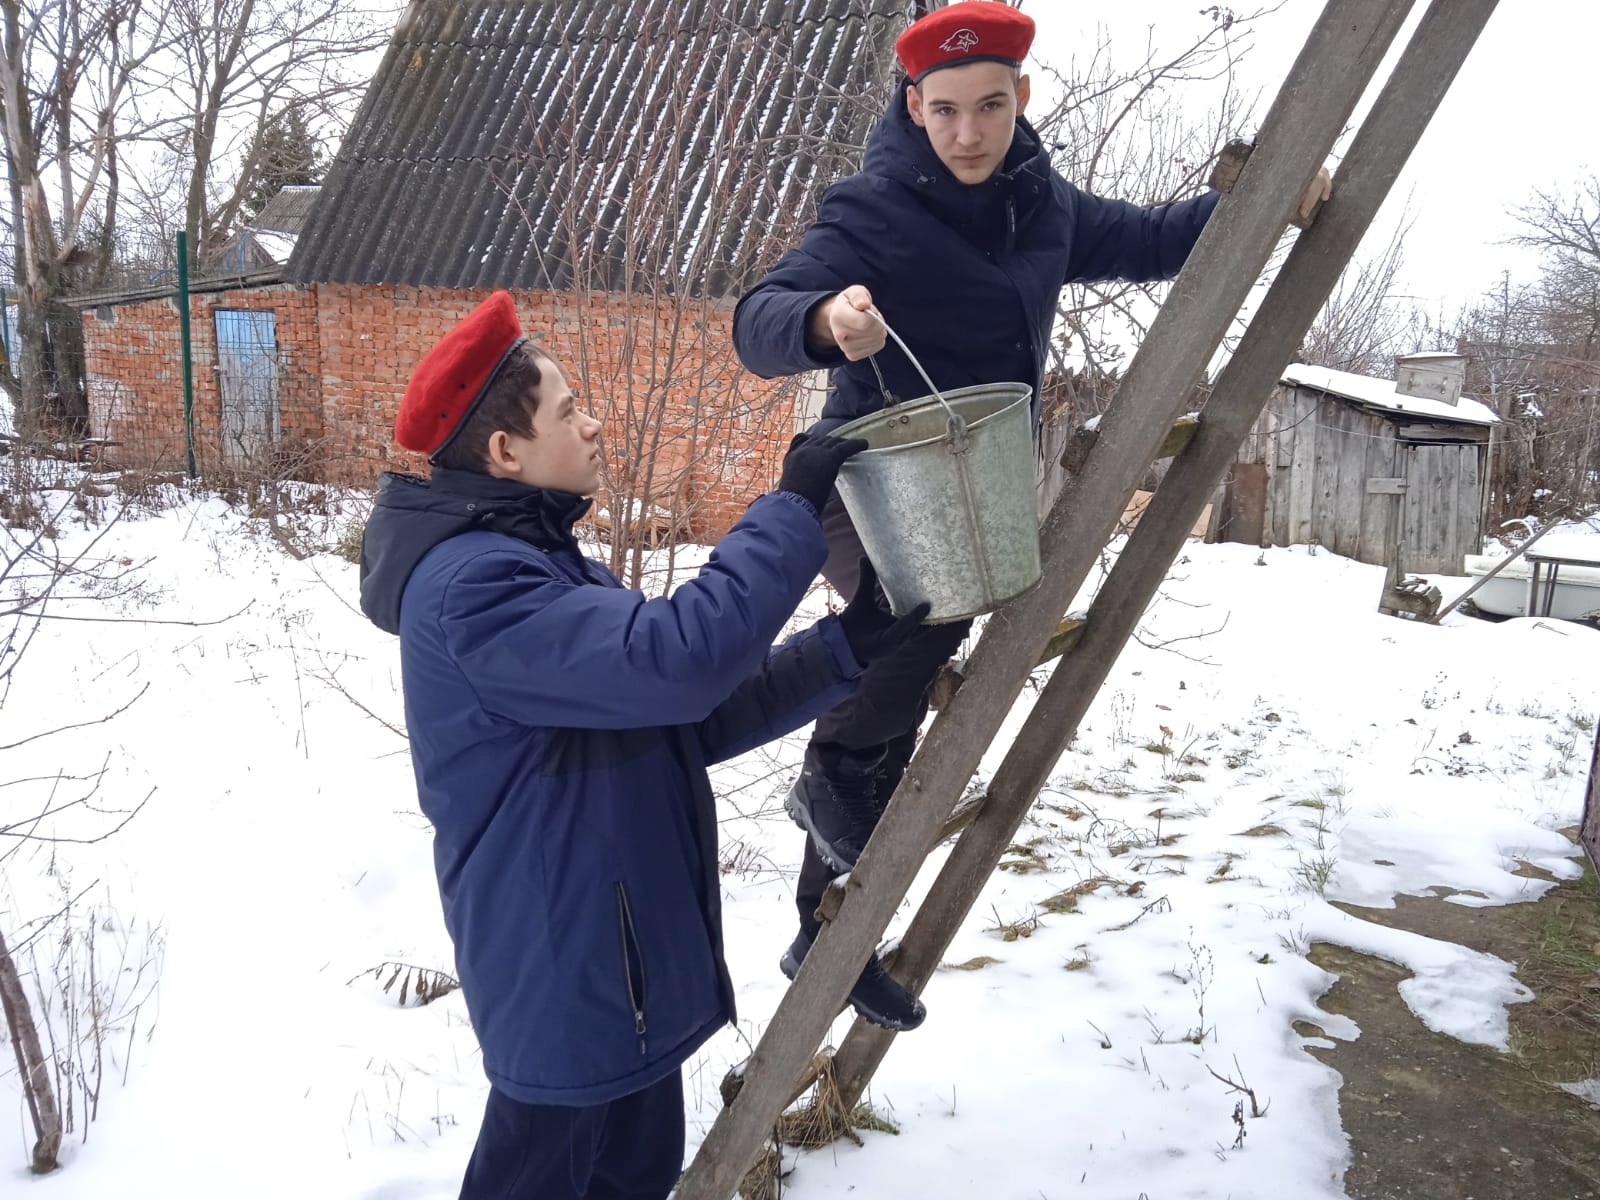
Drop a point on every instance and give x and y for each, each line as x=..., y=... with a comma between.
x=1577, y=594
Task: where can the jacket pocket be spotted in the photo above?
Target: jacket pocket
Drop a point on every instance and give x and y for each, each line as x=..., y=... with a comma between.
x=632, y=962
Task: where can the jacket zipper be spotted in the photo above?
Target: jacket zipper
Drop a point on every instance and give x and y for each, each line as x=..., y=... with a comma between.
x=631, y=952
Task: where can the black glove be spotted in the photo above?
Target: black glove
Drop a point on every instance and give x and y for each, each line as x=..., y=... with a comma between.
x=870, y=628
x=812, y=464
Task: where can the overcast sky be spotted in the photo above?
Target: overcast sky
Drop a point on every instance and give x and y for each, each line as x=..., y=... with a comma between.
x=1522, y=114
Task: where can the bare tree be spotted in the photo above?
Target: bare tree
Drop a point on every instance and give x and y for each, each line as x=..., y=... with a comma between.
x=650, y=227
x=1364, y=325
x=1568, y=233
x=1117, y=129
x=1532, y=358
x=1569, y=229
x=1560, y=416
x=67, y=69
x=61, y=806
x=240, y=66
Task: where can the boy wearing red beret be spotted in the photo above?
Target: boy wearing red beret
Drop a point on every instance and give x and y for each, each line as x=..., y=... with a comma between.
x=961, y=231
x=561, y=726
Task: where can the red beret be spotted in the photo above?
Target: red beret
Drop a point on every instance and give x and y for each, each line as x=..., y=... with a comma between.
x=971, y=31
x=452, y=377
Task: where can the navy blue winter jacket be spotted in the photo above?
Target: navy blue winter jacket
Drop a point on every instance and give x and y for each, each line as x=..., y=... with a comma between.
x=967, y=274
x=560, y=730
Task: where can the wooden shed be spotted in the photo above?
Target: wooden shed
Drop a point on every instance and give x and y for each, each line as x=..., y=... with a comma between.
x=1359, y=465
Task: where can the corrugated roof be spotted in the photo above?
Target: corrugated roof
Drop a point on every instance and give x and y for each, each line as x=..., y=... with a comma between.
x=287, y=211
x=538, y=145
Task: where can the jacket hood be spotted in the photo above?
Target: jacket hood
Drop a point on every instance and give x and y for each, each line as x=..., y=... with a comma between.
x=898, y=149
x=411, y=515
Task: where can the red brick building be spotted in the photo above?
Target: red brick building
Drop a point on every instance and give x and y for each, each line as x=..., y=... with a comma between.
x=625, y=170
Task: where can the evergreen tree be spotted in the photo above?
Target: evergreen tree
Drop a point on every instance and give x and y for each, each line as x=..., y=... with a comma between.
x=285, y=152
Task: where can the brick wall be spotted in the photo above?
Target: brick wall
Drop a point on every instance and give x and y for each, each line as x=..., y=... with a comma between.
x=135, y=369
x=686, y=428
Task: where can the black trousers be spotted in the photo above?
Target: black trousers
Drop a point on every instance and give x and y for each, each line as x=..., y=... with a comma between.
x=881, y=719
x=629, y=1149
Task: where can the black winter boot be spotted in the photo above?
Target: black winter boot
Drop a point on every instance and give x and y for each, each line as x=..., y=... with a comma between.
x=891, y=768
x=877, y=996
x=834, y=800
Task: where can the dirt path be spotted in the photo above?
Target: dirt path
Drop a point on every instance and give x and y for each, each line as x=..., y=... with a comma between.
x=1430, y=1118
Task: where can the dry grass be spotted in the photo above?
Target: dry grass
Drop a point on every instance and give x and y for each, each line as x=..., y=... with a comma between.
x=763, y=1181
x=820, y=1119
x=1027, y=861
x=823, y=1119
x=1067, y=901
x=972, y=964
x=1557, y=1035
x=423, y=985
x=1010, y=931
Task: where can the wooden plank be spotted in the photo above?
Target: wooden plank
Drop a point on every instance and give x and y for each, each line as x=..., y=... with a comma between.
x=1343, y=52
x=1434, y=432
x=1178, y=437
x=1487, y=456
x=1279, y=494
x=1439, y=509
x=1242, y=515
x=1422, y=552
x=1386, y=486
x=1413, y=505
x=1589, y=833
x=1269, y=423
x=1374, y=160
x=1352, y=480
x=1450, y=535
x=1468, y=525
x=1303, y=470
x=1286, y=399
x=1330, y=442
x=1225, y=173
x=953, y=675
x=1443, y=536
x=1255, y=447
x=1377, y=512
x=1082, y=440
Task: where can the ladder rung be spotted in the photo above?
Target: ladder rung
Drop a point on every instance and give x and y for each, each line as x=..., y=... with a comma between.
x=1076, y=453
x=1068, y=630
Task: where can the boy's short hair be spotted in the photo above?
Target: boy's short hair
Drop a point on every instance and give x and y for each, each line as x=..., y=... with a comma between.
x=1014, y=72
x=508, y=403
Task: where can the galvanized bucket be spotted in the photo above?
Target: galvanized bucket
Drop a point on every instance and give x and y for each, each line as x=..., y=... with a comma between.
x=943, y=499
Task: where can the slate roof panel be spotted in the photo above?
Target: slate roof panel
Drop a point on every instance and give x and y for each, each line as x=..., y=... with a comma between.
x=537, y=144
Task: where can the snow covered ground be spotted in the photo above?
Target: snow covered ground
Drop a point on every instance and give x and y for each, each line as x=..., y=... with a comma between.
x=1272, y=744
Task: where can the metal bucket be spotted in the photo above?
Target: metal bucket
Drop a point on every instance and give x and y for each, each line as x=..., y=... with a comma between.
x=945, y=504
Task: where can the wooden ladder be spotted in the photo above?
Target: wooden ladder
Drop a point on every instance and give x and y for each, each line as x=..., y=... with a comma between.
x=1341, y=57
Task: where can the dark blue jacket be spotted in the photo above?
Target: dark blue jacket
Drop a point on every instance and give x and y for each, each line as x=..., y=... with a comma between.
x=967, y=274
x=560, y=730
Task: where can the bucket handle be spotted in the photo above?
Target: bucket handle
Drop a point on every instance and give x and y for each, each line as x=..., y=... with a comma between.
x=957, y=427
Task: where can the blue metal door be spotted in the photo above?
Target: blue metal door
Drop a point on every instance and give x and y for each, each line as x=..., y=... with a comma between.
x=247, y=376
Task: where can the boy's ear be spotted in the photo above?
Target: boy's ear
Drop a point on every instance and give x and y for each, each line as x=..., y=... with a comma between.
x=498, y=456
x=914, y=106
x=1022, y=94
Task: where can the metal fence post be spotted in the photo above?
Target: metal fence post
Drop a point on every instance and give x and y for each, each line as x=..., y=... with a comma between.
x=188, y=356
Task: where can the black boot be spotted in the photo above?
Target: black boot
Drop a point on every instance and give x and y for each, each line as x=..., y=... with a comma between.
x=877, y=996
x=891, y=768
x=833, y=800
